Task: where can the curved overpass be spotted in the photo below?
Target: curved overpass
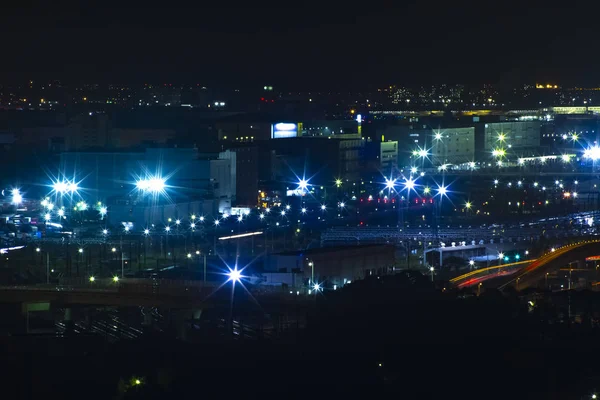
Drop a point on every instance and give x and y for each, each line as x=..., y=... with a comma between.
x=482, y=274
x=524, y=274
x=536, y=271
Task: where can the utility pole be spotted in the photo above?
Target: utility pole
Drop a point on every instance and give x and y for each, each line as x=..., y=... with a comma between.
x=204, y=269
x=47, y=267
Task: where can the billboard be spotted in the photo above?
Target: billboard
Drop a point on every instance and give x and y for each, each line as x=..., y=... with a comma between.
x=284, y=130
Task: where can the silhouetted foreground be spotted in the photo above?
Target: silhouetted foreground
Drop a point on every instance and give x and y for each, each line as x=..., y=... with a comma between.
x=390, y=336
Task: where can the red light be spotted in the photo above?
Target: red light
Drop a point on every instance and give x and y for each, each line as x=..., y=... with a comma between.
x=361, y=200
x=262, y=99
x=430, y=201
x=416, y=201
x=393, y=200
x=424, y=201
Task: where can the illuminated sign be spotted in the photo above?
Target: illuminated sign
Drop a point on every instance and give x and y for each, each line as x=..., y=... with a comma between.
x=284, y=130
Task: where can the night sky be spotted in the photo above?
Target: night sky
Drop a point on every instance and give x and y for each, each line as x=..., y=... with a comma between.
x=323, y=44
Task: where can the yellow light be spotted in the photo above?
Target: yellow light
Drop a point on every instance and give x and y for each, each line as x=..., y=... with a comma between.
x=468, y=205
x=138, y=382
x=338, y=182
x=501, y=137
x=85, y=99
x=352, y=111
x=427, y=190
x=115, y=279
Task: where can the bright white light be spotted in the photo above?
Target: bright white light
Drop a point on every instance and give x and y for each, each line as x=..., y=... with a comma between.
x=50, y=206
x=103, y=210
x=535, y=184
x=342, y=204
x=193, y=225
x=267, y=210
x=471, y=262
x=167, y=228
x=282, y=212
x=576, y=182
x=495, y=181
x=240, y=218
x=442, y=190
x=323, y=207
x=413, y=170
x=235, y=275
x=472, y=165
x=593, y=153
x=44, y=203
x=105, y=231
x=47, y=217
x=575, y=194
x=193, y=217
x=389, y=183
x=16, y=197
x=316, y=287
x=438, y=136
x=72, y=187
x=565, y=137
x=287, y=207
x=126, y=229
x=261, y=216
x=217, y=222
x=423, y=153
x=83, y=206
x=153, y=185
x=521, y=161
x=60, y=187
x=443, y=167
x=303, y=184
x=566, y=158
x=80, y=250
x=201, y=219
x=303, y=210
x=519, y=183
x=500, y=255
x=556, y=182
x=409, y=184
x=178, y=221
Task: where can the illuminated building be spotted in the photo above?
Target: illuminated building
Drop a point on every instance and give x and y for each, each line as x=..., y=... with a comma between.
x=455, y=146
x=513, y=135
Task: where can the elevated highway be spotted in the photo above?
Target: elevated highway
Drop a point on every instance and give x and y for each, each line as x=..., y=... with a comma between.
x=528, y=273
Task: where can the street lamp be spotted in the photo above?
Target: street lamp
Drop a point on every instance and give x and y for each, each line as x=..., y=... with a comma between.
x=432, y=270
x=92, y=279
x=235, y=275
x=115, y=278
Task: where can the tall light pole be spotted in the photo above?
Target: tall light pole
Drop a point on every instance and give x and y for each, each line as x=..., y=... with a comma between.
x=312, y=273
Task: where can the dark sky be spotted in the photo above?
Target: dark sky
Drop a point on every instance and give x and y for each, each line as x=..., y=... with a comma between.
x=321, y=44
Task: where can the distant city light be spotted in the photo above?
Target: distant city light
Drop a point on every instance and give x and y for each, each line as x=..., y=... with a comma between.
x=103, y=210
x=342, y=204
x=495, y=181
x=105, y=231
x=389, y=183
x=423, y=153
x=282, y=212
x=409, y=184
x=146, y=231
x=152, y=185
x=201, y=219
x=442, y=190
x=235, y=275
x=217, y=222
x=17, y=198
x=592, y=152
x=47, y=217
x=288, y=207
x=193, y=225
x=468, y=205
x=323, y=207
x=303, y=210
x=438, y=136
x=167, y=228
x=413, y=170
x=303, y=184
x=261, y=216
